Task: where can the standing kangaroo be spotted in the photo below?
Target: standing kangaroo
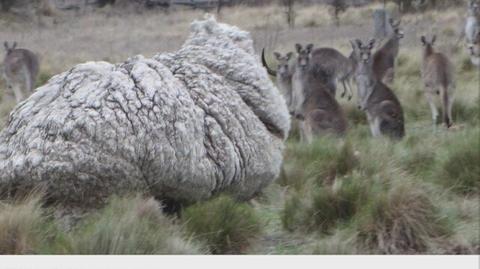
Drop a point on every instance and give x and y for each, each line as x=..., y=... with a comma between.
x=337, y=64
x=384, y=58
x=283, y=74
x=437, y=74
x=313, y=102
x=20, y=70
x=384, y=112
x=304, y=64
x=475, y=51
x=321, y=113
x=472, y=24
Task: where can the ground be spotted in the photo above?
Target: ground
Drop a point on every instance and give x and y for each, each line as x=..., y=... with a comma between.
x=335, y=196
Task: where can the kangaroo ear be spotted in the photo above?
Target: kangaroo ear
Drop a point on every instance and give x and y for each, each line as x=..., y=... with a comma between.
x=434, y=38
x=298, y=47
x=371, y=43
x=289, y=55
x=424, y=40
x=14, y=45
x=358, y=42
x=309, y=48
x=277, y=55
x=352, y=43
x=391, y=21
x=5, y=44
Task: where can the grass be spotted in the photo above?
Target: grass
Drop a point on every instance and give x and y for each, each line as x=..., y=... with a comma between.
x=355, y=195
x=129, y=225
x=226, y=226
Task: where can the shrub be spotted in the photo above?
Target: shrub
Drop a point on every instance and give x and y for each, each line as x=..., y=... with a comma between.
x=130, y=226
x=401, y=220
x=226, y=226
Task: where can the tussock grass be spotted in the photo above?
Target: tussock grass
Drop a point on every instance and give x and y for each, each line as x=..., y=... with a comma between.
x=27, y=228
x=459, y=168
x=326, y=207
x=402, y=220
x=226, y=226
x=130, y=226
x=320, y=162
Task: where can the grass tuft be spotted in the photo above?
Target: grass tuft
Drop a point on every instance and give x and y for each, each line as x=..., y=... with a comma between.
x=130, y=226
x=226, y=226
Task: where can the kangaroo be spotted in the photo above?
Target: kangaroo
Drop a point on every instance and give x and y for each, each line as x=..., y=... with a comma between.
x=341, y=66
x=475, y=51
x=305, y=64
x=472, y=24
x=437, y=75
x=321, y=114
x=283, y=74
x=384, y=58
x=20, y=70
x=384, y=112
x=313, y=102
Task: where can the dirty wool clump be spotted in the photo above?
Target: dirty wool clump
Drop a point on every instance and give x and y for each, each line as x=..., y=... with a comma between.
x=182, y=125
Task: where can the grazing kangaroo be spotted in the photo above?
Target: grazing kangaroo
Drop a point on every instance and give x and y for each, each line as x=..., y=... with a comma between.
x=437, y=74
x=20, y=70
x=384, y=112
x=341, y=66
x=384, y=58
x=472, y=25
x=283, y=74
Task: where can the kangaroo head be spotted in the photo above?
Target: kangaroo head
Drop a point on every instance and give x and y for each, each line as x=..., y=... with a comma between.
x=303, y=55
x=428, y=45
x=475, y=46
x=397, y=31
x=9, y=49
x=363, y=52
x=473, y=8
x=283, y=66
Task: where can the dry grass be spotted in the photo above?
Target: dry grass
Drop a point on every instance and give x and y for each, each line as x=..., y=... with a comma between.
x=336, y=196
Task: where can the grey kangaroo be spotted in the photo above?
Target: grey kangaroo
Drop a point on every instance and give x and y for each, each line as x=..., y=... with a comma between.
x=384, y=112
x=384, y=58
x=283, y=74
x=20, y=70
x=437, y=74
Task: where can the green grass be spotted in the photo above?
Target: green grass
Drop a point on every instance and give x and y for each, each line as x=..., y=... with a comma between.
x=226, y=226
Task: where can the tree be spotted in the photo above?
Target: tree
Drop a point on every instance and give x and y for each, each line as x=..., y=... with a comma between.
x=289, y=12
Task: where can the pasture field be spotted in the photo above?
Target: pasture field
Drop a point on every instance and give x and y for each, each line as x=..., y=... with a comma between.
x=355, y=195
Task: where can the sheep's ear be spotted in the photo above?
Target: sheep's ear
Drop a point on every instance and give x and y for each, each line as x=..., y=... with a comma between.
x=434, y=38
x=277, y=55
x=298, y=47
x=14, y=45
x=289, y=56
x=424, y=40
x=309, y=48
